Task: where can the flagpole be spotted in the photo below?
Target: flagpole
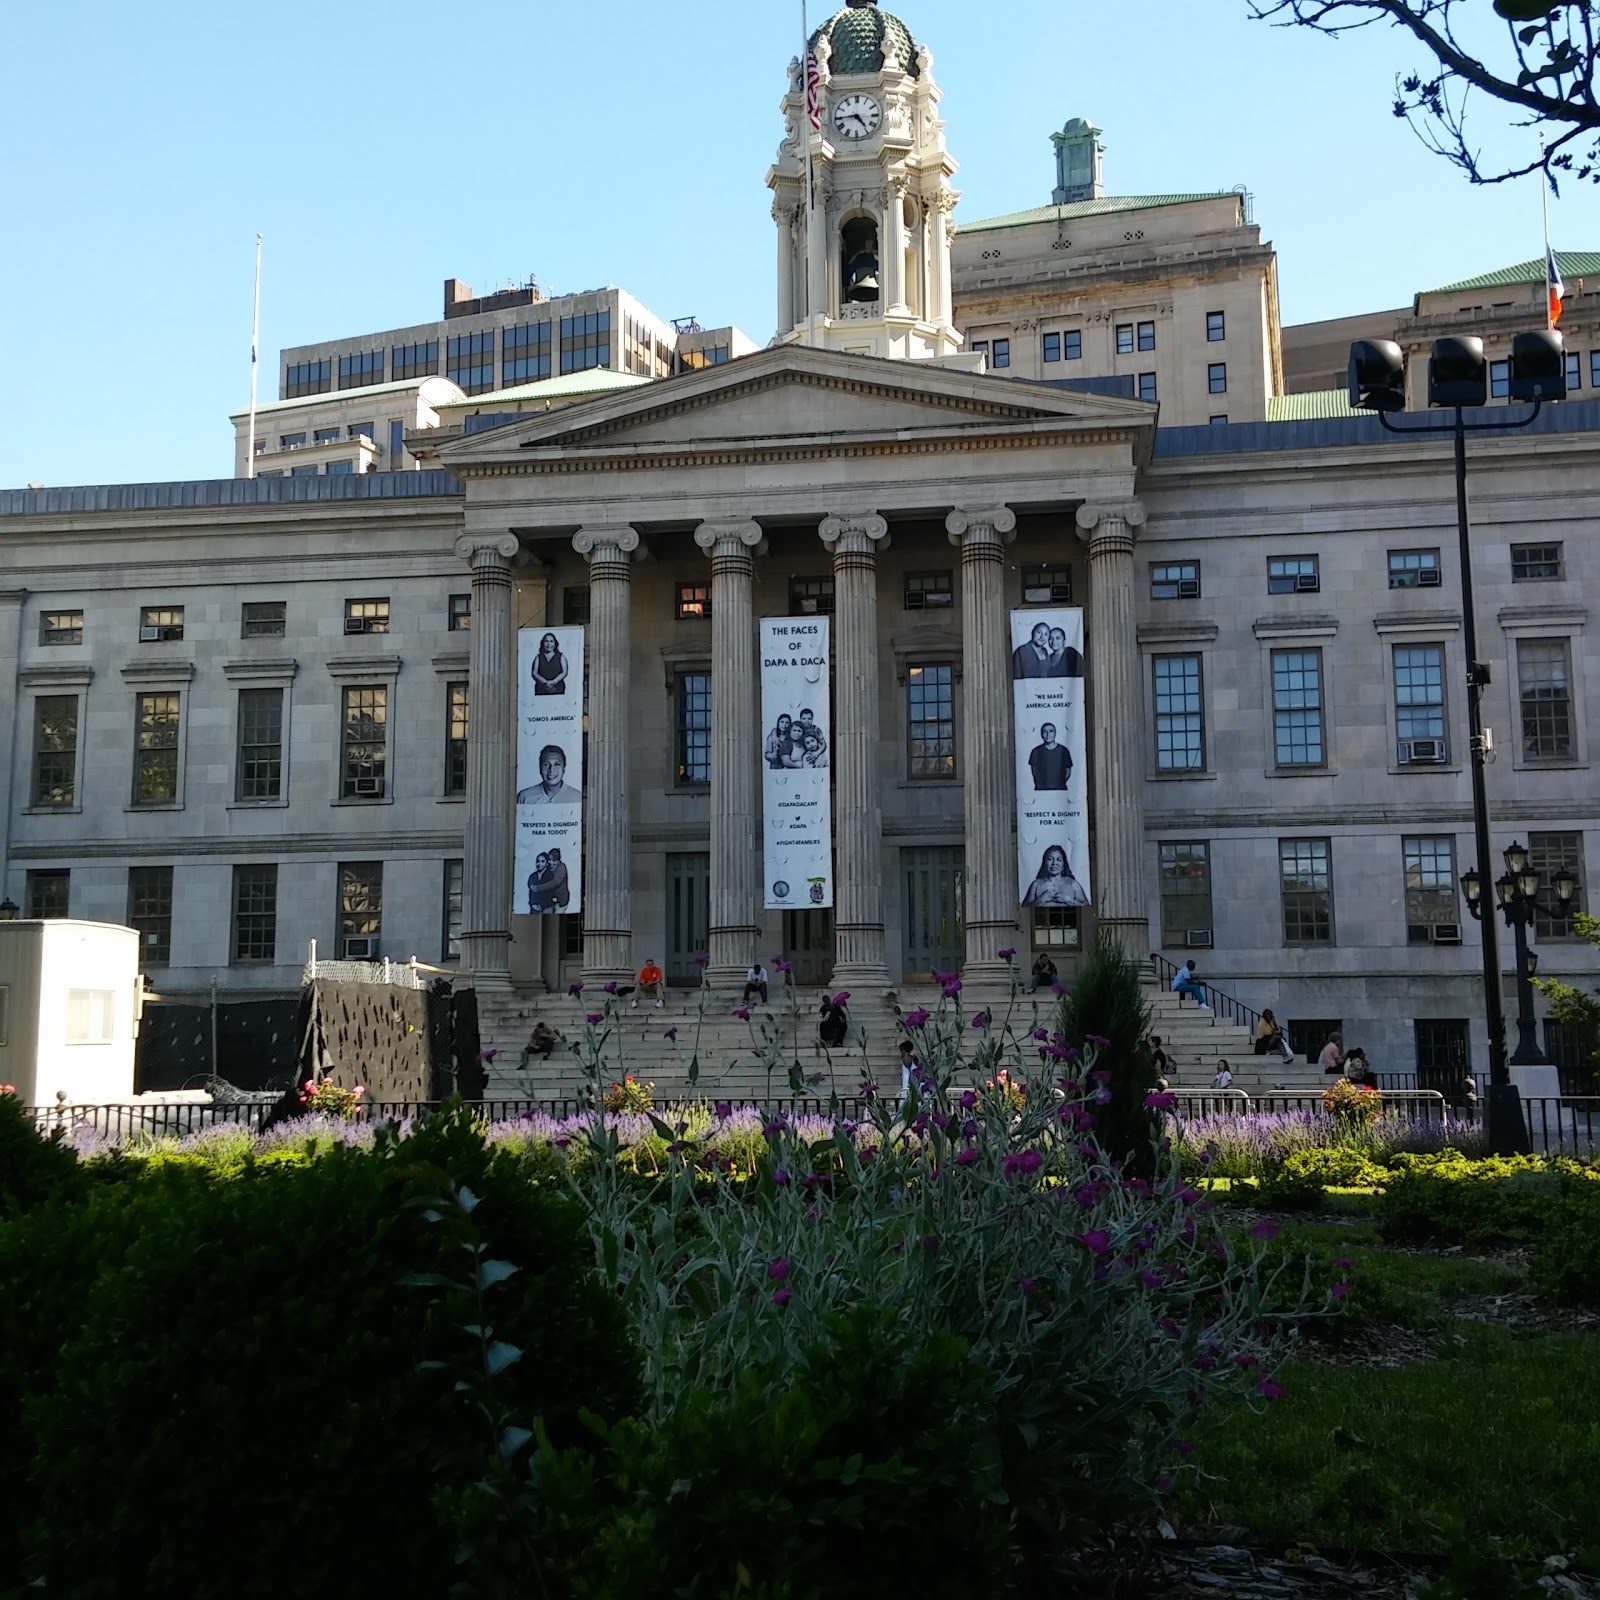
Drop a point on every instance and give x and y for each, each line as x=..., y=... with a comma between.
x=255, y=366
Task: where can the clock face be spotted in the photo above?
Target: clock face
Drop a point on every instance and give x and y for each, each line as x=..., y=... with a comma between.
x=856, y=116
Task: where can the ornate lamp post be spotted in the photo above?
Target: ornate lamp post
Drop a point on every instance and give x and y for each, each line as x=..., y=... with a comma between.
x=1458, y=378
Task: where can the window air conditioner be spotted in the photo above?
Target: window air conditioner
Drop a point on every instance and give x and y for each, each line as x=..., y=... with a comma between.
x=1430, y=578
x=1188, y=588
x=916, y=600
x=1421, y=752
x=369, y=787
x=1307, y=582
x=1447, y=933
x=355, y=624
x=360, y=949
x=1197, y=938
x=1407, y=579
x=150, y=633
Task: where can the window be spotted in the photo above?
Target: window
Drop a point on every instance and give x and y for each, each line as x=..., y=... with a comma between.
x=1052, y=347
x=307, y=377
x=811, y=597
x=586, y=341
x=1419, y=703
x=525, y=353
x=1175, y=580
x=1217, y=377
x=55, y=750
x=1444, y=1053
x=364, y=758
x=91, y=1016
x=1147, y=335
x=572, y=935
x=357, y=371
x=460, y=613
x=1072, y=345
x=160, y=624
x=325, y=436
x=1536, y=563
x=1055, y=928
x=1219, y=420
x=1594, y=369
x=1574, y=370
x=1186, y=894
x=263, y=619
x=1002, y=353
x=1045, y=586
x=260, y=766
x=414, y=360
x=291, y=441
x=362, y=430
x=1414, y=569
x=47, y=893
x=469, y=361
x=1297, y=708
x=1147, y=386
x=980, y=347
x=928, y=591
x=693, y=601
x=693, y=713
x=1548, y=854
x=61, y=627
x=397, y=443
x=150, y=913
x=366, y=616
x=360, y=909
x=575, y=605
x=1216, y=327
x=1124, y=338
x=340, y=468
x=455, y=877
x=1305, y=877
x=1544, y=682
x=1308, y=1035
x=1432, y=915
x=255, y=914
x=155, y=750
x=455, y=741
x=304, y=472
x=931, y=720
x=1293, y=575
x=1499, y=380
x=1180, y=725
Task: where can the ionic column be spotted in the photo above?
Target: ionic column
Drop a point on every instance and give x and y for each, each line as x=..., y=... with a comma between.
x=735, y=752
x=782, y=215
x=607, y=816
x=860, y=955
x=1113, y=652
x=988, y=783
x=894, y=246
x=491, y=759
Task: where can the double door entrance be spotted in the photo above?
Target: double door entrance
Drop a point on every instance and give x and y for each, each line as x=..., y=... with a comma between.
x=932, y=914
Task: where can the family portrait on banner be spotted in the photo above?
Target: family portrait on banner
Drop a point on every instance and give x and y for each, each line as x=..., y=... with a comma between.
x=798, y=820
x=548, y=873
x=1048, y=719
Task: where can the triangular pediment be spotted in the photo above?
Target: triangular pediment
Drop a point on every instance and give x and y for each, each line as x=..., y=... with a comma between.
x=790, y=395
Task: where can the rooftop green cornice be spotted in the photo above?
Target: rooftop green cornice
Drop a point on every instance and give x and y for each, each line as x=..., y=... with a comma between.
x=857, y=35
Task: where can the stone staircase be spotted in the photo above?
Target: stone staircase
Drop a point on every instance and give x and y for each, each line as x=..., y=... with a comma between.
x=1196, y=1041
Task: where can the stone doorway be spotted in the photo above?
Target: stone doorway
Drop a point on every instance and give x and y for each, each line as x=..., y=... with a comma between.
x=688, y=916
x=935, y=931
x=808, y=943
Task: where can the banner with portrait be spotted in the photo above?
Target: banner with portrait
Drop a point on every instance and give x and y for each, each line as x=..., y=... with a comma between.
x=548, y=866
x=795, y=730
x=1052, y=776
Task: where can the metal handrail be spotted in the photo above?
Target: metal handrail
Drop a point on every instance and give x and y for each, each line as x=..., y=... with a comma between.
x=1221, y=1003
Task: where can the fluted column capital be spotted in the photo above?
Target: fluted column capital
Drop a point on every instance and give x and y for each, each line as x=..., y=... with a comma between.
x=723, y=539
x=861, y=534
x=979, y=533
x=488, y=550
x=606, y=542
x=1112, y=520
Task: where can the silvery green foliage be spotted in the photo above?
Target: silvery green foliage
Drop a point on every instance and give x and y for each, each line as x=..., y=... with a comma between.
x=1106, y=1309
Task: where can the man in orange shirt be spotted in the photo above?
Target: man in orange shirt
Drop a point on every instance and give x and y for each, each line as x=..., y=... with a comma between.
x=652, y=981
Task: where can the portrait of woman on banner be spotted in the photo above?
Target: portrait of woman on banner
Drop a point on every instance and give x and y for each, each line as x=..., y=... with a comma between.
x=1054, y=884
x=549, y=667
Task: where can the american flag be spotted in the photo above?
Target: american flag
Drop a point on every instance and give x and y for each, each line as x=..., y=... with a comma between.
x=813, y=92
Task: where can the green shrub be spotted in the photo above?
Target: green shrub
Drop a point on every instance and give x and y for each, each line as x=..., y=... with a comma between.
x=32, y=1169
x=1107, y=1002
x=1299, y=1183
x=221, y=1394
x=1449, y=1199
x=1566, y=1260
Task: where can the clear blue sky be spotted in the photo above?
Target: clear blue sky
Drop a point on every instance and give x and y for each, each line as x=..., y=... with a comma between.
x=382, y=149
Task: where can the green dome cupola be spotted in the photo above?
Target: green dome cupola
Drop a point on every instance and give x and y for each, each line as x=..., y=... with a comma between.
x=857, y=36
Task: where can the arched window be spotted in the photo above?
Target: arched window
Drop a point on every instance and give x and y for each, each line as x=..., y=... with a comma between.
x=858, y=261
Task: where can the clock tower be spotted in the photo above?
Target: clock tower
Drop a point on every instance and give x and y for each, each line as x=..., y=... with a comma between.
x=863, y=202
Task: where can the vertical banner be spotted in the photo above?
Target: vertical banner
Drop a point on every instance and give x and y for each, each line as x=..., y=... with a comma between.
x=1047, y=713
x=548, y=873
x=794, y=760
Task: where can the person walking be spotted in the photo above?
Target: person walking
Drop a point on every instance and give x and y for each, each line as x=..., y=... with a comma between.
x=1183, y=982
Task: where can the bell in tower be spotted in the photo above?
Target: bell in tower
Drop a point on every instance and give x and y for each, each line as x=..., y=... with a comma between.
x=862, y=194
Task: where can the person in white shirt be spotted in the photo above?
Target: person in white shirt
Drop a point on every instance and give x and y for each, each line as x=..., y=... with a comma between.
x=1224, y=1077
x=1183, y=982
x=755, y=982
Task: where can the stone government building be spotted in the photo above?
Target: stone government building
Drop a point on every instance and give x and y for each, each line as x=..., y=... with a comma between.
x=247, y=714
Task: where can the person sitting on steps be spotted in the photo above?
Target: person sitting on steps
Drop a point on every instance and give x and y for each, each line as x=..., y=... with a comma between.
x=1043, y=973
x=652, y=984
x=755, y=983
x=1269, y=1036
x=835, y=1024
x=1224, y=1077
x=1183, y=982
x=1332, y=1058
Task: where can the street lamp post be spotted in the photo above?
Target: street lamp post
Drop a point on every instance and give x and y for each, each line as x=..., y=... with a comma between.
x=1457, y=379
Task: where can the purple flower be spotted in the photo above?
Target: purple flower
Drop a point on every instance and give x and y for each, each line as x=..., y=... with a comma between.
x=981, y=1019
x=1150, y=1279
x=944, y=977
x=487, y=1055
x=611, y=988
x=1204, y=1363
x=723, y=1109
x=914, y=1019
x=842, y=996
x=780, y=965
x=575, y=988
x=969, y=1128
x=1097, y=1241
x=1042, y=1035
x=779, y=1270
x=742, y=1013
x=1169, y=1327
x=1055, y=987
x=1184, y=1447
x=1161, y=1101
x=1007, y=953
x=593, y=1017
x=670, y=1033
x=1026, y=1284
x=781, y=1176
x=1343, y=1261
x=969, y=1099
x=1271, y=1389
x=866, y=1090
x=702, y=960
x=780, y=1297
x=771, y=1130
x=1246, y=1362
x=965, y=1158
x=931, y=1241
x=1163, y=1482
x=1096, y=1038
x=951, y=989
x=1339, y=1290
x=817, y=1079
x=1265, y=1229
